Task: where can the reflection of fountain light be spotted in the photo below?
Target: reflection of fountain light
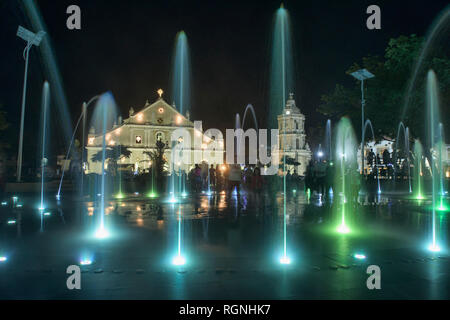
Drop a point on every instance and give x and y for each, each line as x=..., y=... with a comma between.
x=86, y=262
x=179, y=260
x=359, y=256
x=101, y=233
x=434, y=247
x=3, y=259
x=173, y=200
x=285, y=260
x=343, y=229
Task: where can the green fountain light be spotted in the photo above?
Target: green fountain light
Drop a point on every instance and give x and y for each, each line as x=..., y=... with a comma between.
x=343, y=229
x=120, y=195
x=152, y=195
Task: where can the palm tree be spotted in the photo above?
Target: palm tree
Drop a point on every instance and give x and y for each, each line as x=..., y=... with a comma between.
x=159, y=163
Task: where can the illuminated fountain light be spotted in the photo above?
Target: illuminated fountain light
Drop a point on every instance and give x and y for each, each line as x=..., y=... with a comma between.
x=136, y=193
x=101, y=233
x=4, y=203
x=434, y=247
x=184, y=194
x=19, y=206
x=47, y=214
x=285, y=260
x=343, y=229
x=12, y=221
x=152, y=195
x=86, y=262
x=120, y=195
x=359, y=256
x=3, y=259
x=178, y=260
x=58, y=197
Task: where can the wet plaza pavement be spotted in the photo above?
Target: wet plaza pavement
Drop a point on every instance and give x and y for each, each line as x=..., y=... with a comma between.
x=232, y=247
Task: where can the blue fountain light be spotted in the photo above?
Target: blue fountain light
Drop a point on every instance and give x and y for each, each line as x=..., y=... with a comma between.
x=4, y=203
x=285, y=260
x=434, y=247
x=102, y=233
x=178, y=260
x=86, y=262
x=3, y=259
x=12, y=221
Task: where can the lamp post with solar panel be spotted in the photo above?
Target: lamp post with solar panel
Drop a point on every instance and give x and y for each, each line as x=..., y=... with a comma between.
x=31, y=39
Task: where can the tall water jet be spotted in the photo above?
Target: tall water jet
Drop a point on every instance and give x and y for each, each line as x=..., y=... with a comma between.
x=345, y=171
x=181, y=77
x=328, y=140
x=44, y=121
x=104, y=117
x=179, y=259
x=435, y=144
x=281, y=84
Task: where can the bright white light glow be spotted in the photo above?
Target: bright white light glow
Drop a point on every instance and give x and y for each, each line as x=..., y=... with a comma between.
x=434, y=248
x=11, y=221
x=3, y=259
x=101, y=233
x=86, y=262
x=179, y=261
x=285, y=260
x=343, y=229
x=359, y=256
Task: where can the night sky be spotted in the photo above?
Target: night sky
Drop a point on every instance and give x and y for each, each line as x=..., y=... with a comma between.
x=126, y=47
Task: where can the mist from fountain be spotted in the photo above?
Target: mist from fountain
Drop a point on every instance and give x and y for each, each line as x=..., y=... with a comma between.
x=345, y=171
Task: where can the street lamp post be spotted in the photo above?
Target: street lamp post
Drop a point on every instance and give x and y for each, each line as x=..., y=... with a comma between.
x=31, y=39
x=362, y=75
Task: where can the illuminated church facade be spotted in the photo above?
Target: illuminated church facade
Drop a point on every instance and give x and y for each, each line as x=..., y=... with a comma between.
x=140, y=132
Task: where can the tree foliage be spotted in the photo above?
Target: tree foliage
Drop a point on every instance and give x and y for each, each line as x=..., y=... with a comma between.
x=386, y=97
